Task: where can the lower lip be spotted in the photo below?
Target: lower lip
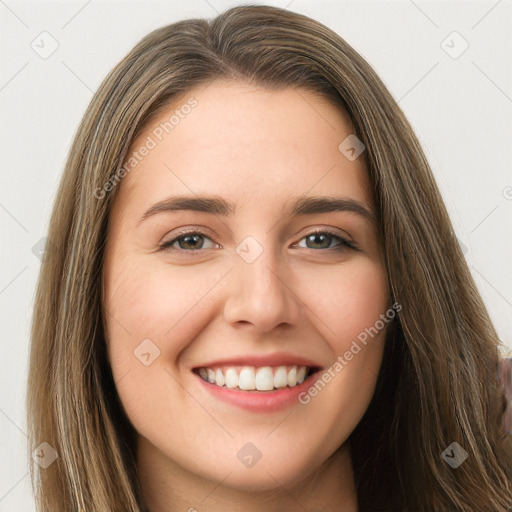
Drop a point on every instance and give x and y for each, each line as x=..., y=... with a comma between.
x=260, y=401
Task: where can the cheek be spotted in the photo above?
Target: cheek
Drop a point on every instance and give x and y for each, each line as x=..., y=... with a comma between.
x=351, y=309
x=145, y=302
x=153, y=312
x=348, y=302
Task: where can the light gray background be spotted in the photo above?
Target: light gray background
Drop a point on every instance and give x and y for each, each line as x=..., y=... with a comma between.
x=460, y=107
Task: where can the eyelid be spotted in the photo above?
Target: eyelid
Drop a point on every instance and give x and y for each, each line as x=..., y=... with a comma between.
x=331, y=230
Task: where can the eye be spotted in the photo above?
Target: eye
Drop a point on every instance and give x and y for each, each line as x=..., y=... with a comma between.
x=190, y=241
x=193, y=241
x=324, y=240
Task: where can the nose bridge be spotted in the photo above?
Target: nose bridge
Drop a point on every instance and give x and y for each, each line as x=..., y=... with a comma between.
x=260, y=294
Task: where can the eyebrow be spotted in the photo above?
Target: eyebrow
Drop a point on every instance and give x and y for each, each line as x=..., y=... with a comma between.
x=301, y=206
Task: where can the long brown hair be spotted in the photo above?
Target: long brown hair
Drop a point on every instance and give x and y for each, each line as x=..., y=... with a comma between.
x=437, y=383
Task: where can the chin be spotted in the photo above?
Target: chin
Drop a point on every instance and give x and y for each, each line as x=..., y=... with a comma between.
x=268, y=474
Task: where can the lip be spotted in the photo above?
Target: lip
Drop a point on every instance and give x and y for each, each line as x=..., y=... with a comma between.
x=260, y=401
x=259, y=360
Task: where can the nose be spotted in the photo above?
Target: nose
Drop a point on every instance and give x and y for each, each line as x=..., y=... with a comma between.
x=262, y=294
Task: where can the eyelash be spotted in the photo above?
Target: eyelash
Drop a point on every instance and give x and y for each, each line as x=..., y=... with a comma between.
x=342, y=245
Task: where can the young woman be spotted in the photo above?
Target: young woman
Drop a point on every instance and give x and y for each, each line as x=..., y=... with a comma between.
x=256, y=300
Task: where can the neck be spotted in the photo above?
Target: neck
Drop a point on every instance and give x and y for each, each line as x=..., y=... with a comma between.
x=167, y=487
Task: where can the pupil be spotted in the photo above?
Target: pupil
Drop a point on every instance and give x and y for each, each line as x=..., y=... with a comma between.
x=315, y=236
x=191, y=240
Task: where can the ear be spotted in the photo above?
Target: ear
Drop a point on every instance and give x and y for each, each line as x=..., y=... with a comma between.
x=505, y=381
x=505, y=376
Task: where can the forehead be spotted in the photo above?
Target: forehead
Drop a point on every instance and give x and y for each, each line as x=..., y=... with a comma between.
x=250, y=144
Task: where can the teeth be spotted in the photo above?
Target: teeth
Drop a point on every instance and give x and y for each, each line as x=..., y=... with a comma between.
x=292, y=376
x=281, y=377
x=264, y=379
x=249, y=378
x=219, y=378
x=231, y=378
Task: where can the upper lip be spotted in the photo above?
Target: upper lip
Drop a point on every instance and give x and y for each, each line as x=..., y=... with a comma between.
x=259, y=360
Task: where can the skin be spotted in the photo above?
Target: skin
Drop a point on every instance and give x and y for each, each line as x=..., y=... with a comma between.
x=260, y=149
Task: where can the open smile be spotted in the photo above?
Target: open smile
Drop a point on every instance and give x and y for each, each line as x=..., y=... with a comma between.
x=269, y=384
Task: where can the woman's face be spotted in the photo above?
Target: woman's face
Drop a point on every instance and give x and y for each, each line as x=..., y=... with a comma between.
x=213, y=271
